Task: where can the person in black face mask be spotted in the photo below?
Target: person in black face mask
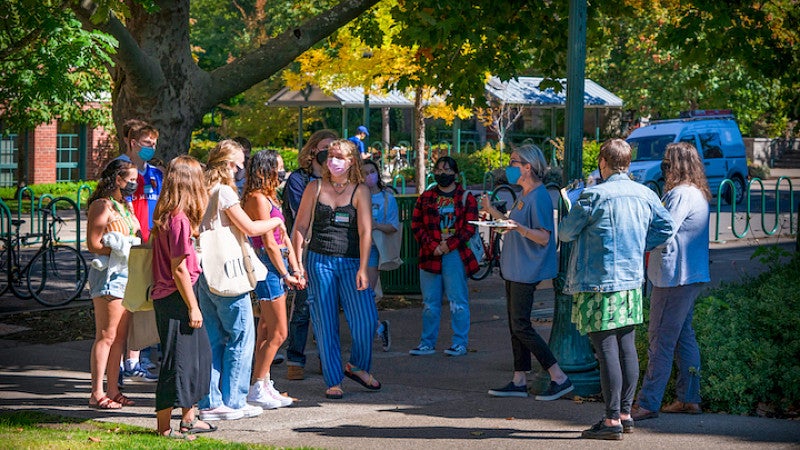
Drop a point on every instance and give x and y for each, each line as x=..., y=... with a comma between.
x=440, y=223
x=241, y=173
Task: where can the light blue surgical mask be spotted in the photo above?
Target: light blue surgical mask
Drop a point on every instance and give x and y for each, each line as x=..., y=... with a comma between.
x=512, y=174
x=147, y=153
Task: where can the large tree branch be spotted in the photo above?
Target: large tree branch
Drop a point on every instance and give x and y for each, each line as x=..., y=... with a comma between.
x=274, y=55
x=142, y=70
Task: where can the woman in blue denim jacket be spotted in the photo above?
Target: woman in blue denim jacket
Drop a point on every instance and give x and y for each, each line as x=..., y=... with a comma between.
x=612, y=224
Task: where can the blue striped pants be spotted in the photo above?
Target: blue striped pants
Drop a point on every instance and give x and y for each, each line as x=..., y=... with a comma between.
x=331, y=282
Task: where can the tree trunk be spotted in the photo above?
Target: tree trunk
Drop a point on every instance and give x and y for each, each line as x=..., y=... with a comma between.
x=156, y=79
x=419, y=132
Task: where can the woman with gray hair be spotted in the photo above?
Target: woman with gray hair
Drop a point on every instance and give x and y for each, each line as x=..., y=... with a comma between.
x=528, y=257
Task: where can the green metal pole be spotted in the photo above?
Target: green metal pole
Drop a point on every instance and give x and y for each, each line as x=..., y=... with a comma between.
x=571, y=349
x=366, y=111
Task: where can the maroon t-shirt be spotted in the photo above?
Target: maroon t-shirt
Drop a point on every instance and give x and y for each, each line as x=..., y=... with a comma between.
x=175, y=242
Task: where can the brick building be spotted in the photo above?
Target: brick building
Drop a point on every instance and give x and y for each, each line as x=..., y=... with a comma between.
x=54, y=152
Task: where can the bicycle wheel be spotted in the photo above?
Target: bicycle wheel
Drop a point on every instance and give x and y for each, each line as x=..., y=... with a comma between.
x=484, y=266
x=5, y=259
x=503, y=197
x=57, y=275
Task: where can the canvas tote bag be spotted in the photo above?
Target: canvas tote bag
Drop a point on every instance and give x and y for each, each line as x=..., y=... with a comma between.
x=140, y=279
x=388, y=244
x=230, y=264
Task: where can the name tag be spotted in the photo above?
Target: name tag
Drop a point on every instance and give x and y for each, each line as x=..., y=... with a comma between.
x=341, y=218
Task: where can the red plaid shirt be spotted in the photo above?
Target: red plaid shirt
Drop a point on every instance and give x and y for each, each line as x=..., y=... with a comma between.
x=426, y=226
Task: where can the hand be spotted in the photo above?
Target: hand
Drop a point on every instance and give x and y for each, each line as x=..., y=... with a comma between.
x=362, y=280
x=512, y=225
x=292, y=280
x=195, y=318
x=485, y=203
x=441, y=249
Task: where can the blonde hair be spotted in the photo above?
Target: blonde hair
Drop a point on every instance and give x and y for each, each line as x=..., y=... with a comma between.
x=347, y=147
x=182, y=190
x=217, y=165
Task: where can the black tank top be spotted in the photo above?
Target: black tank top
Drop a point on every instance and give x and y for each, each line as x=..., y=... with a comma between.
x=335, y=230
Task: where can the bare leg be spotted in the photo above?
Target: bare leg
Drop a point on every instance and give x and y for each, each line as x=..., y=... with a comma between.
x=272, y=332
x=108, y=318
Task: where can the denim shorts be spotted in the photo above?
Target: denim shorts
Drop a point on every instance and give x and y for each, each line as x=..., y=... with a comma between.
x=100, y=284
x=374, y=257
x=273, y=286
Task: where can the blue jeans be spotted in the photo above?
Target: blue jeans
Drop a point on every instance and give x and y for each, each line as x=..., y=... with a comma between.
x=298, y=329
x=671, y=335
x=452, y=282
x=232, y=334
x=332, y=282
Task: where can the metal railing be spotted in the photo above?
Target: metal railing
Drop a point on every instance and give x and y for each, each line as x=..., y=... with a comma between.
x=748, y=212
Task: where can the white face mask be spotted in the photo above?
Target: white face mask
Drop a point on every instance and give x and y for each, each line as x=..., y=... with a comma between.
x=338, y=166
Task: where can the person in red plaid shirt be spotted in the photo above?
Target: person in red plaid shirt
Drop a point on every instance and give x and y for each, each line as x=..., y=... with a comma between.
x=440, y=224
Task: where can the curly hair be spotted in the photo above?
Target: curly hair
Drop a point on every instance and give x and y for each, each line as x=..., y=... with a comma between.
x=262, y=174
x=107, y=183
x=306, y=155
x=183, y=189
x=217, y=165
x=347, y=147
x=682, y=165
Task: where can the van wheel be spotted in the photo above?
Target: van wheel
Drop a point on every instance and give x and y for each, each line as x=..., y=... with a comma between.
x=738, y=183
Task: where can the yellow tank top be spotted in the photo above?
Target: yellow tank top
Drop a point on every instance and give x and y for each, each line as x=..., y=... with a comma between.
x=121, y=220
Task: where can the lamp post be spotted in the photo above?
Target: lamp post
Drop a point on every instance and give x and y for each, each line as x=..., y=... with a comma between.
x=571, y=349
x=367, y=54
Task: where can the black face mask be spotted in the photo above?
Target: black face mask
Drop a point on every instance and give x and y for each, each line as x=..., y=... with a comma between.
x=322, y=156
x=129, y=189
x=281, y=176
x=444, y=179
x=239, y=175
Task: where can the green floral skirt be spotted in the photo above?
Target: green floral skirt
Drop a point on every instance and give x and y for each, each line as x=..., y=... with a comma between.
x=601, y=311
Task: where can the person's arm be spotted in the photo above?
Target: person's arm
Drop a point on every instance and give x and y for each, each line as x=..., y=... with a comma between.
x=420, y=229
x=533, y=229
x=391, y=222
x=302, y=222
x=183, y=281
x=96, y=222
x=295, y=186
x=294, y=265
x=662, y=227
x=363, y=204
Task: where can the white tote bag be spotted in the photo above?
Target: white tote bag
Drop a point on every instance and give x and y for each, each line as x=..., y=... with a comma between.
x=230, y=265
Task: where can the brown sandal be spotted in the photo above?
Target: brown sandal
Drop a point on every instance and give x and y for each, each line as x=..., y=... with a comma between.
x=124, y=401
x=334, y=393
x=104, y=403
x=352, y=372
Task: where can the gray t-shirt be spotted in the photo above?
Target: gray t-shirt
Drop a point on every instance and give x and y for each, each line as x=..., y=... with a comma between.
x=521, y=259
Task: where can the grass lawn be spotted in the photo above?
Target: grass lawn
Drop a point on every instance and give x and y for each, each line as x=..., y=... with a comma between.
x=37, y=430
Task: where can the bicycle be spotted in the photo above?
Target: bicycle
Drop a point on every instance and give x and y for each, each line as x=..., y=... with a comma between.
x=491, y=248
x=55, y=275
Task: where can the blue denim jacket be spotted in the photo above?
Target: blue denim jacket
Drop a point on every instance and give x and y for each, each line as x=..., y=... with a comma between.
x=613, y=224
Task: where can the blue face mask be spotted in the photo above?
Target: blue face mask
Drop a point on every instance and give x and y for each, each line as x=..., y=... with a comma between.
x=147, y=153
x=512, y=174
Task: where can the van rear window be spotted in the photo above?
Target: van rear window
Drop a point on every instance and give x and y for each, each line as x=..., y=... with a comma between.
x=650, y=148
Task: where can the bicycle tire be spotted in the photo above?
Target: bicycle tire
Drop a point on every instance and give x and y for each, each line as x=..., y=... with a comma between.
x=485, y=266
x=504, y=188
x=57, y=275
x=5, y=257
x=16, y=278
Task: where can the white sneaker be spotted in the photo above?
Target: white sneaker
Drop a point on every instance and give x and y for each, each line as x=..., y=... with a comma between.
x=259, y=395
x=251, y=410
x=285, y=401
x=220, y=413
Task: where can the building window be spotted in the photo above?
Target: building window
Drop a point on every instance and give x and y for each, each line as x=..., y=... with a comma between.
x=9, y=151
x=68, y=151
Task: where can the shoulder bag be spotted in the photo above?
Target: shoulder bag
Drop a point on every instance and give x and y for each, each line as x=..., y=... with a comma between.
x=230, y=265
x=140, y=279
x=388, y=244
x=475, y=243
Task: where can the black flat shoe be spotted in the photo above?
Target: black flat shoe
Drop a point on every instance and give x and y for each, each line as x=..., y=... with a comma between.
x=603, y=432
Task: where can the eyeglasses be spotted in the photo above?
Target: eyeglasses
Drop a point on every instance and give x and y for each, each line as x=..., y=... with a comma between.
x=516, y=161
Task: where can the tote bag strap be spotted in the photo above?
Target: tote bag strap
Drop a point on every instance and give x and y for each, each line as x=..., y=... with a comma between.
x=313, y=210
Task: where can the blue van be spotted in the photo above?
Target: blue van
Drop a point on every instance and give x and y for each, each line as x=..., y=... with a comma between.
x=716, y=136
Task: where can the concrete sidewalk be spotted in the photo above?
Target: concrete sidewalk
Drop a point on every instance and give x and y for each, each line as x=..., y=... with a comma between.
x=426, y=402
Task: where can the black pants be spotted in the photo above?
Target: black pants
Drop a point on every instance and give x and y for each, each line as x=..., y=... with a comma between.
x=619, y=368
x=185, y=375
x=524, y=339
